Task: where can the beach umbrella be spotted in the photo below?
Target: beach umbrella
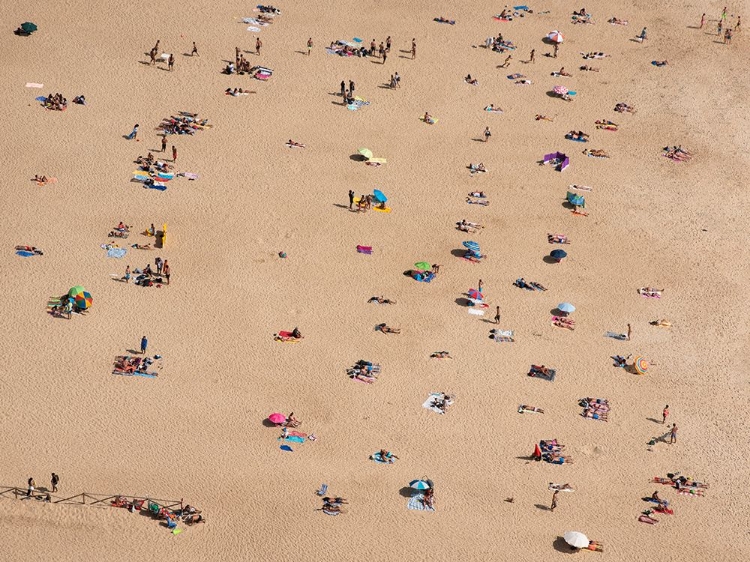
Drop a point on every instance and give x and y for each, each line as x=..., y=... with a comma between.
x=471, y=245
x=555, y=36
x=476, y=295
x=277, y=418
x=423, y=266
x=366, y=152
x=83, y=300
x=75, y=290
x=566, y=307
x=421, y=485
x=558, y=254
x=28, y=27
x=576, y=199
x=640, y=365
x=576, y=539
x=560, y=90
x=379, y=196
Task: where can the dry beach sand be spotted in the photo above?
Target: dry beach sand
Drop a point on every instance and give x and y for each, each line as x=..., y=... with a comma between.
x=196, y=431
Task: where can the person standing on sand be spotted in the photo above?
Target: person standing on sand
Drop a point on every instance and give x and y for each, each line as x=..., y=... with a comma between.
x=258, y=45
x=724, y=14
x=497, y=315
x=630, y=333
x=413, y=48
x=728, y=36
x=385, y=56
x=531, y=56
x=554, y=501
x=343, y=88
x=152, y=55
x=309, y=46
x=703, y=20
x=487, y=134
x=351, y=199
x=127, y=274
x=156, y=47
x=194, y=51
x=673, y=434
x=507, y=62
x=719, y=28
x=351, y=88
x=237, y=57
x=398, y=80
x=737, y=27
x=388, y=44
x=55, y=481
x=479, y=286
x=30, y=489
x=174, y=153
x=170, y=63
x=556, y=48
x=164, y=143
x=664, y=414
x=372, y=48
x=167, y=272
x=144, y=345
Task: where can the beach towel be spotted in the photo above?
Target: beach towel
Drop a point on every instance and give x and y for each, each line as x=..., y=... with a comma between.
x=364, y=249
x=286, y=448
x=116, y=252
x=476, y=311
x=188, y=175
x=416, y=503
x=331, y=513
x=616, y=336
x=502, y=335
x=647, y=519
x=352, y=107
x=136, y=374
x=515, y=76
x=430, y=402
x=34, y=85
x=24, y=253
x=382, y=210
x=41, y=99
x=377, y=457
x=293, y=439
x=253, y=29
x=158, y=186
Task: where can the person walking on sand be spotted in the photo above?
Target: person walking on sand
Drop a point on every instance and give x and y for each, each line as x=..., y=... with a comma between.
x=372, y=48
x=309, y=46
x=487, y=134
x=134, y=133
x=643, y=36
x=724, y=14
x=144, y=345
x=159, y=265
x=388, y=44
x=385, y=56
x=258, y=45
x=55, y=481
x=737, y=27
x=156, y=47
x=170, y=62
x=164, y=143
x=703, y=20
x=531, y=56
x=556, y=48
x=413, y=48
x=30, y=489
x=630, y=333
x=166, y=271
x=479, y=286
x=719, y=28
x=152, y=56
x=351, y=199
x=127, y=274
x=351, y=88
x=507, y=62
x=343, y=88
x=554, y=501
x=237, y=57
x=174, y=153
x=497, y=315
x=664, y=414
x=673, y=434
x=728, y=36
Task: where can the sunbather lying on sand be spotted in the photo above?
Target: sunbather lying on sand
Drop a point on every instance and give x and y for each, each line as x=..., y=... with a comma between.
x=387, y=456
x=588, y=68
x=596, y=153
x=594, y=55
x=650, y=292
x=532, y=409
x=493, y=109
x=624, y=108
x=478, y=194
x=193, y=519
x=470, y=80
x=387, y=330
x=562, y=72
x=617, y=21
x=524, y=82
x=544, y=118
x=475, y=168
x=441, y=355
x=465, y=228
x=380, y=300
x=577, y=135
x=587, y=413
x=557, y=239
x=560, y=487
x=292, y=144
x=663, y=323
x=142, y=246
x=32, y=249
x=428, y=118
x=561, y=322
x=660, y=62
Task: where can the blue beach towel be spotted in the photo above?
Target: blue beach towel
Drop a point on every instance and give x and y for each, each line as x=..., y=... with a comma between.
x=24, y=253
x=41, y=99
x=159, y=187
x=286, y=448
x=416, y=503
x=116, y=252
x=294, y=439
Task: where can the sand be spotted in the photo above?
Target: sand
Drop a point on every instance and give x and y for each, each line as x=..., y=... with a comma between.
x=196, y=432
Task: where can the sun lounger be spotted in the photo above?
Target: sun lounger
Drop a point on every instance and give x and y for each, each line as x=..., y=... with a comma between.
x=323, y=489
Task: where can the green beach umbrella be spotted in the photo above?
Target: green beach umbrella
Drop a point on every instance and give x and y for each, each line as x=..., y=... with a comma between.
x=28, y=27
x=77, y=290
x=366, y=152
x=423, y=266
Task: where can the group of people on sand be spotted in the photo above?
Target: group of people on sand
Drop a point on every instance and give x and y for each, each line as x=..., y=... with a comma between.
x=467, y=226
x=56, y=102
x=183, y=124
x=148, y=277
x=333, y=505
x=550, y=451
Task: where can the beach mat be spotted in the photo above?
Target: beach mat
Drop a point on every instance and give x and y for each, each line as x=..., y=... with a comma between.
x=116, y=252
x=294, y=439
x=160, y=187
x=24, y=253
x=34, y=85
x=416, y=503
x=476, y=311
x=379, y=210
x=429, y=403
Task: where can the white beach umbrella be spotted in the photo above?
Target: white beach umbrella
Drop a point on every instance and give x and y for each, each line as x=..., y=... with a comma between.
x=555, y=36
x=576, y=539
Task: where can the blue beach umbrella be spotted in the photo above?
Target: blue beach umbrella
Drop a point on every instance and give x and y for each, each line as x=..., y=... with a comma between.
x=471, y=245
x=379, y=196
x=566, y=307
x=558, y=254
x=419, y=485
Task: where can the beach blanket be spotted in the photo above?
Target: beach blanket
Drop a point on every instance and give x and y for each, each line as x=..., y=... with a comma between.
x=24, y=253
x=41, y=99
x=382, y=209
x=538, y=374
x=476, y=311
x=293, y=439
x=377, y=457
x=286, y=448
x=416, y=503
x=157, y=186
x=364, y=249
x=143, y=374
x=188, y=175
x=34, y=85
x=430, y=402
x=116, y=252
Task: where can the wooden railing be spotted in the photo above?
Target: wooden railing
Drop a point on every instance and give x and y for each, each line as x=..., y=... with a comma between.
x=84, y=498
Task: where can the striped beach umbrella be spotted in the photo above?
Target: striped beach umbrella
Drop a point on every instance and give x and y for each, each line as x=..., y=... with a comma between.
x=83, y=300
x=471, y=245
x=555, y=36
x=640, y=365
x=419, y=485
